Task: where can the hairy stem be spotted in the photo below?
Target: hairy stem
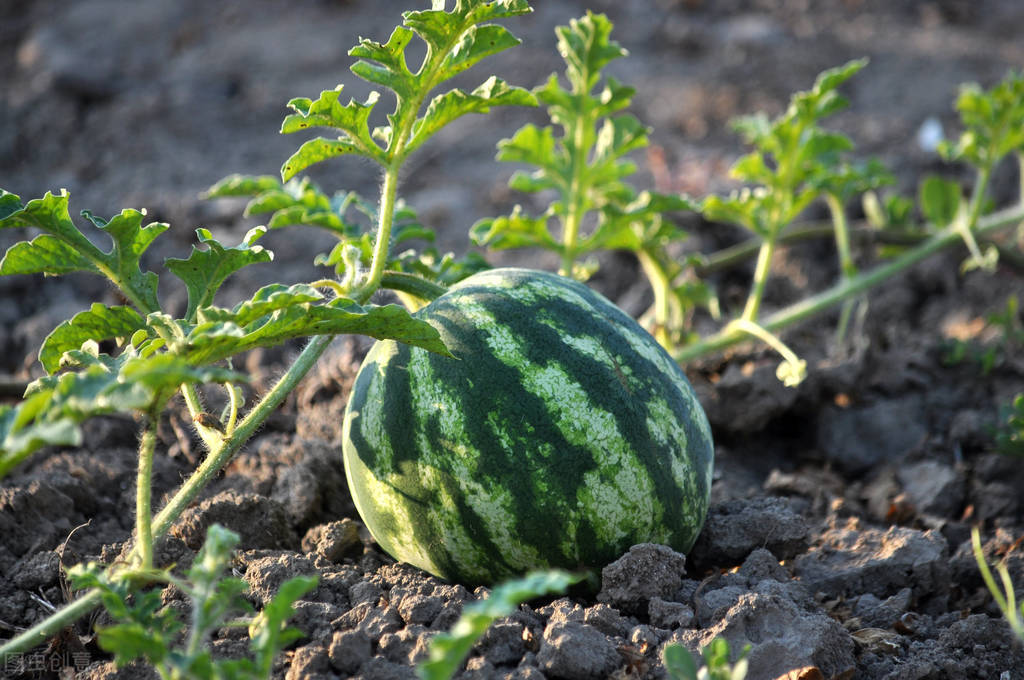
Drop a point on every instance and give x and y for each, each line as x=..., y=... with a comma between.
x=51, y=625
x=816, y=304
x=195, y=407
x=220, y=454
x=144, y=490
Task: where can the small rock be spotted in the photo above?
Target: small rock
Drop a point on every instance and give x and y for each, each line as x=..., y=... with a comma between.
x=349, y=650
x=933, y=487
x=573, y=651
x=783, y=635
x=606, y=619
x=266, y=573
x=735, y=529
x=237, y=512
x=876, y=613
x=379, y=668
x=503, y=643
x=670, y=615
x=855, y=560
x=332, y=540
x=647, y=570
x=40, y=570
x=310, y=661
x=421, y=609
x=403, y=645
x=745, y=402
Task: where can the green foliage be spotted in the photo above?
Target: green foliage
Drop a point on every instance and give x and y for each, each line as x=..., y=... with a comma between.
x=449, y=650
x=585, y=164
x=456, y=40
x=940, y=200
x=681, y=665
x=96, y=384
x=1010, y=433
x=794, y=161
x=1004, y=595
x=993, y=123
x=155, y=354
x=301, y=202
x=144, y=628
x=62, y=248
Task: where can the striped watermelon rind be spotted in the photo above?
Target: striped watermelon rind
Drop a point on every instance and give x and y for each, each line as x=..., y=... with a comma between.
x=559, y=436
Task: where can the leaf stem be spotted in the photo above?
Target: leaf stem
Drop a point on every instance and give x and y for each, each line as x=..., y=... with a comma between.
x=847, y=267
x=386, y=214
x=144, y=488
x=195, y=406
x=48, y=627
x=815, y=304
x=412, y=284
x=965, y=226
x=222, y=452
x=660, y=285
x=761, y=270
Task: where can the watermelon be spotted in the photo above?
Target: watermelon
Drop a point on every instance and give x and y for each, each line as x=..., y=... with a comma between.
x=560, y=435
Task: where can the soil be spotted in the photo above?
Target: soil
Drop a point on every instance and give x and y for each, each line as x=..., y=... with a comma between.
x=838, y=538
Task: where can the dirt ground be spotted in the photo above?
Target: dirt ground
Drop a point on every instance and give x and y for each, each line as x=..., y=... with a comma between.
x=841, y=510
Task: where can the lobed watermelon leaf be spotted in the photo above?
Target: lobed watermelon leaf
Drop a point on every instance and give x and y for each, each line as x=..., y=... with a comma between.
x=456, y=40
x=97, y=323
x=205, y=270
x=63, y=248
x=794, y=161
x=96, y=384
x=278, y=313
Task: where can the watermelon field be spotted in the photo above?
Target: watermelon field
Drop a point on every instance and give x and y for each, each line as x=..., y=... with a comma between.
x=774, y=427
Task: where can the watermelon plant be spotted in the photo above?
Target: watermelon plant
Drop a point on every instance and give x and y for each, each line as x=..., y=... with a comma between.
x=155, y=355
x=472, y=469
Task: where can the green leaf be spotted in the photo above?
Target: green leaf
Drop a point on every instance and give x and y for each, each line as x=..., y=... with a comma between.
x=97, y=323
x=449, y=650
x=679, y=662
x=440, y=29
x=585, y=165
x=242, y=185
x=316, y=150
x=131, y=641
x=97, y=384
x=451, y=105
x=993, y=122
x=456, y=40
x=384, y=64
x=939, y=200
x=268, y=632
x=517, y=230
x=22, y=432
x=63, y=248
x=222, y=333
x=205, y=270
x=585, y=46
x=794, y=161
